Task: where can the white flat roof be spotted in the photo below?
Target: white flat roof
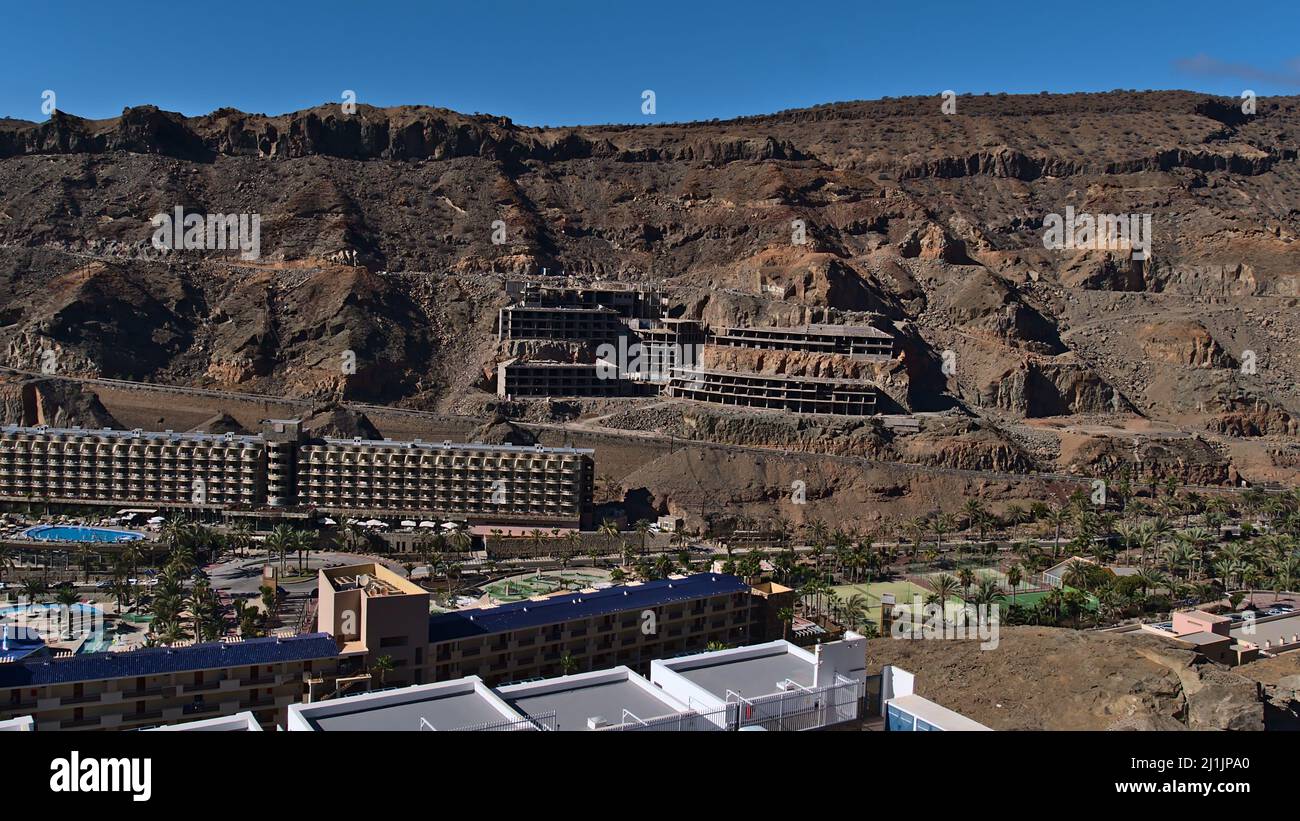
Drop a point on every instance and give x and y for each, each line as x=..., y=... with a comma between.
x=613, y=697
x=449, y=705
x=935, y=714
x=751, y=672
x=1276, y=630
x=19, y=724
x=238, y=722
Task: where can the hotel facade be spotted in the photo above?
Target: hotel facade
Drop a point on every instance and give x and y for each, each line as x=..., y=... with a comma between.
x=373, y=612
x=283, y=468
x=164, y=685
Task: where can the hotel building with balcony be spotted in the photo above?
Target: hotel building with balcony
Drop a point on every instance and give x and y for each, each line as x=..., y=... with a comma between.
x=282, y=468
x=164, y=685
x=373, y=612
x=76, y=466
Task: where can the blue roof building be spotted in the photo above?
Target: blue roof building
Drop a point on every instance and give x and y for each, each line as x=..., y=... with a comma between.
x=154, y=661
x=571, y=606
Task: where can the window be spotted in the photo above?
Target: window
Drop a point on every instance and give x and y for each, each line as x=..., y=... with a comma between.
x=898, y=720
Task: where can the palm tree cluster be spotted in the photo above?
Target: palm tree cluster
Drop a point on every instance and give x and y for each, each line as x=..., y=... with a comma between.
x=180, y=613
x=284, y=541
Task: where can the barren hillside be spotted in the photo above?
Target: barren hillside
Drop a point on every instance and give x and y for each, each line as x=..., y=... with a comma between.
x=377, y=239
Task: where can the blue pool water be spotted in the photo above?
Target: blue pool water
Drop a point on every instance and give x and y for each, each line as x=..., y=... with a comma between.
x=83, y=619
x=64, y=533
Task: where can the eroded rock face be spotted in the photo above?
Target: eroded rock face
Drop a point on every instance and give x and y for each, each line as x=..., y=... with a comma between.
x=376, y=240
x=1184, y=342
x=501, y=431
x=1245, y=418
x=1191, y=460
x=52, y=402
x=1225, y=701
x=338, y=422
x=1037, y=388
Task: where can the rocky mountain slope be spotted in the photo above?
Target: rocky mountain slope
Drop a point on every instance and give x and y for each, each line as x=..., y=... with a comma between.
x=378, y=239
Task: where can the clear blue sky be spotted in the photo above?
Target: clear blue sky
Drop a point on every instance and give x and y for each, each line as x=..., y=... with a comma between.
x=558, y=62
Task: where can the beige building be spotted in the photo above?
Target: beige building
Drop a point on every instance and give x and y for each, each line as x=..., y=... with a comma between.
x=373, y=612
x=481, y=483
x=72, y=465
x=281, y=468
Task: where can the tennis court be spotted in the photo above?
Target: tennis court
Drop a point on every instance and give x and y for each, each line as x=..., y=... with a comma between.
x=904, y=593
x=518, y=588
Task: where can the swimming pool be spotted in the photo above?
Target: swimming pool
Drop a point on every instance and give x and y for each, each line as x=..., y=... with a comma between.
x=69, y=533
x=55, y=622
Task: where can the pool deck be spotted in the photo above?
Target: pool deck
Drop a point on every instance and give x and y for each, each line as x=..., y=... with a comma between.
x=71, y=531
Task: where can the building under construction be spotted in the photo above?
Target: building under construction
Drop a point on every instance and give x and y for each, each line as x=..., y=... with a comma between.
x=853, y=341
x=795, y=394
x=638, y=350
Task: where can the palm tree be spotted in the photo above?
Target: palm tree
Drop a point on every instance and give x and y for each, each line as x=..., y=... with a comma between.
x=854, y=611
x=132, y=552
x=1056, y=516
x=1014, y=577
x=974, y=509
x=940, y=525
x=67, y=596
x=6, y=560
x=987, y=593
x=122, y=591
x=643, y=530
x=460, y=539
x=609, y=529
x=203, y=612
x=917, y=527
x=280, y=542
x=967, y=578
x=1077, y=574
x=34, y=590
x=574, y=539
x=383, y=666
x=945, y=587
x=240, y=537
x=269, y=600
x=1014, y=515
x=175, y=531
x=786, y=615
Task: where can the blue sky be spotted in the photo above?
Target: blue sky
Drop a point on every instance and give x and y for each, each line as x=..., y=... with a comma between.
x=559, y=63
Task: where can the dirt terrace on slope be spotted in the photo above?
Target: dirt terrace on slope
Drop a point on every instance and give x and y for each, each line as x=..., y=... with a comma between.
x=1046, y=678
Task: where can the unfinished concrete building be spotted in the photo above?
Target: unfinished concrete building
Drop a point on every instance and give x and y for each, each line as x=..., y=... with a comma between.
x=564, y=323
x=665, y=344
x=796, y=394
x=854, y=341
x=643, y=302
x=527, y=380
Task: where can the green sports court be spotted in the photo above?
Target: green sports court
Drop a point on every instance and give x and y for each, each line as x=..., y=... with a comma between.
x=903, y=592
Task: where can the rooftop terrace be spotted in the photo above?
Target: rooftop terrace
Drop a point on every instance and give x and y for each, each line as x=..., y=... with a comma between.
x=585, y=604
